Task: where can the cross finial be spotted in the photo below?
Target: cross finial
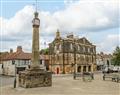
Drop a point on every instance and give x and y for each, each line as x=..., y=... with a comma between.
x=36, y=13
x=36, y=5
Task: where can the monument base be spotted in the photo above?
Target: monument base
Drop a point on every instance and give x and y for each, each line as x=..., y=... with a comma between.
x=35, y=78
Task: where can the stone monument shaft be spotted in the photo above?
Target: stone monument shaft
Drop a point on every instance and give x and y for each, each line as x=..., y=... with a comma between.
x=35, y=76
x=35, y=41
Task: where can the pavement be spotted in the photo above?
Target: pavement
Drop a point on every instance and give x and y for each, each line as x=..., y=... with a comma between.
x=6, y=80
x=65, y=85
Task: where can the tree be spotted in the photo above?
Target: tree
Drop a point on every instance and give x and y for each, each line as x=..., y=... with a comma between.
x=44, y=51
x=116, y=56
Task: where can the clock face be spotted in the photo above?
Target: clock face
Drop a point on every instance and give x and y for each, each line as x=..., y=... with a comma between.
x=36, y=22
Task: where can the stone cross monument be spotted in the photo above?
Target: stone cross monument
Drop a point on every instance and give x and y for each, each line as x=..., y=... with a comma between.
x=35, y=41
x=35, y=76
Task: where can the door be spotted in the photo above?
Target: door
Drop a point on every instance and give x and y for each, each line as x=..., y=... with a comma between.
x=57, y=70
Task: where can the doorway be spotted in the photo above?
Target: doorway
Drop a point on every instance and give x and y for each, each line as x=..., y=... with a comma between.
x=79, y=69
x=58, y=70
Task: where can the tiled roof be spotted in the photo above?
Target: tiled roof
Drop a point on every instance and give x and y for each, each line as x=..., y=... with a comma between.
x=22, y=56
x=104, y=55
x=17, y=55
x=3, y=55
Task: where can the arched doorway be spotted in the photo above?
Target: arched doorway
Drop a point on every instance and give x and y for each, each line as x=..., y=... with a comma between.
x=79, y=69
x=89, y=68
x=58, y=70
x=84, y=68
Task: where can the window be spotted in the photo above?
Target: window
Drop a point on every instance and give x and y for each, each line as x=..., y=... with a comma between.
x=88, y=50
x=55, y=48
x=78, y=47
x=83, y=49
x=59, y=47
x=13, y=62
x=71, y=46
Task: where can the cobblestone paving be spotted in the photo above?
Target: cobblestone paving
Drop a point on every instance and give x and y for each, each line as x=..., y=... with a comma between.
x=65, y=85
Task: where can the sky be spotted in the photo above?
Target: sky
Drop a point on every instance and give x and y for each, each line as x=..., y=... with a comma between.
x=97, y=20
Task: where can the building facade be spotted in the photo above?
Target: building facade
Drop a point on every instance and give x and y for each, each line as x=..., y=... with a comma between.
x=103, y=60
x=2, y=55
x=17, y=61
x=71, y=54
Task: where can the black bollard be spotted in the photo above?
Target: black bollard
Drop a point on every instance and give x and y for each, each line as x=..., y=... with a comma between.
x=15, y=83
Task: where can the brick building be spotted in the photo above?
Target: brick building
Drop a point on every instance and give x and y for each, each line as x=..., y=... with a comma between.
x=71, y=54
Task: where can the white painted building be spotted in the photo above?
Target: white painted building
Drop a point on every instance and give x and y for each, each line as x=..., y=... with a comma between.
x=19, y=61
x=15, y=62
x=103, y=60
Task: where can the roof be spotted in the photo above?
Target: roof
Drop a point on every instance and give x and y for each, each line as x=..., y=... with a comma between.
x=71, y=38
x=102, y=55
x=2, y=55
x=18, y=55
x=22, y=56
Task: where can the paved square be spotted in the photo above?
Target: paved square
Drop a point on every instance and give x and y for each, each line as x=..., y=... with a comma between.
x=65, y=85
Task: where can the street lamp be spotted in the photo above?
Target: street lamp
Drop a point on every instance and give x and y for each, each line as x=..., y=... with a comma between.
x=74, y=60
x=15, y=77
x=63, y=58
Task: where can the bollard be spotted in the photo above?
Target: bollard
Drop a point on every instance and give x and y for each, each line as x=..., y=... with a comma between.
x=15, y=83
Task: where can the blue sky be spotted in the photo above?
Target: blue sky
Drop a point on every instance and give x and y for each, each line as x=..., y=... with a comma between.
x=97, y=20
x=10, y=7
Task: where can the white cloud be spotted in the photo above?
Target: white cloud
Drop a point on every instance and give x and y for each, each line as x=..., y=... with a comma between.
x=80, y=15
x=89, y=15
x=109, y=43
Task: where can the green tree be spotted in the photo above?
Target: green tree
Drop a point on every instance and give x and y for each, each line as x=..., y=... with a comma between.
x=116, y=56
x=44, y=51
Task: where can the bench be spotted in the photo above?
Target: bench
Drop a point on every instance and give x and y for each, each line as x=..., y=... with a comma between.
x=107, y=76
x=85, y=75
x=116, y=77
x=113, y=77
x=75, y=75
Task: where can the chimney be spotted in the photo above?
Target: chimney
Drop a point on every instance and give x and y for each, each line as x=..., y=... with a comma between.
x=11, y=50
x=19, y=48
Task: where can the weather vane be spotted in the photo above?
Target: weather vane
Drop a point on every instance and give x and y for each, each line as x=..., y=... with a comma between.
x=36, y=5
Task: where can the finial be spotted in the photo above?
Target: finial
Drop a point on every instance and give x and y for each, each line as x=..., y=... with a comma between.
x=36, y=5
x=36, y=13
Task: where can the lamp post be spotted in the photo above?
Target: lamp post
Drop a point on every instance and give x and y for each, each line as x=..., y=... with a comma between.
x=15, y=78
x=74, y=61
x=63, y=58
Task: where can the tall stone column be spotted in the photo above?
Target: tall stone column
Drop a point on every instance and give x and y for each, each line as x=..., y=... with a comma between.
x=35, y=42
x=36, y=76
